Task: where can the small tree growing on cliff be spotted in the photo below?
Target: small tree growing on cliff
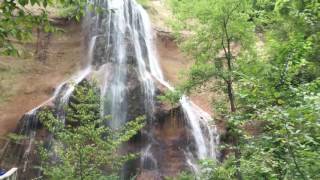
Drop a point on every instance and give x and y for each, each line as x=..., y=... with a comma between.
x=172, y=97
x=85, y=148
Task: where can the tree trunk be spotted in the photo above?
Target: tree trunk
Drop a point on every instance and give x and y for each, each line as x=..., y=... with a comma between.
x=228, y=55
x=237, y=154
x=231, y=96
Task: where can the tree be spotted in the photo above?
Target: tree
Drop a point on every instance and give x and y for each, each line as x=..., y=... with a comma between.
x=84, y=147
x=172, y=97
x=270, y=93
x=18, y=20
x=276, y=122
x=218, y=25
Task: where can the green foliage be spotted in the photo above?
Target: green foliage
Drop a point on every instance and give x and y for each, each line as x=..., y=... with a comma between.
x=277, y=89
x=84, y=147
x=210, y=170
x=171, y=97
x=16, y=138
x=217, y=27
x=198, y=75
x=143, y=3
x=288, y=145
x=17, y=20
x=68, y=12
x=214, y=24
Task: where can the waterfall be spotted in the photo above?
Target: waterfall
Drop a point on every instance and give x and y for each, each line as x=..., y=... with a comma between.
x=204, y=135
x=199, y=121
x=123, y=60
x=124, y=38
x=121, y=39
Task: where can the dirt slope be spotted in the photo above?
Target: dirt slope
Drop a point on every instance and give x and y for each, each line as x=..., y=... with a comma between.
x=26, y=82
x=172, y=60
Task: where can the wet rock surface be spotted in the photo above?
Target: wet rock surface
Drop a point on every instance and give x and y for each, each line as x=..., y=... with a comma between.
x=123, y=42
x=135, y=95
x=22, y=151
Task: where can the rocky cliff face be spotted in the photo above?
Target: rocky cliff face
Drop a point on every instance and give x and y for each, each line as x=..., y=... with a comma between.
x=26, y=81
x=121, y=59
x=22, y=151
x=168, y=132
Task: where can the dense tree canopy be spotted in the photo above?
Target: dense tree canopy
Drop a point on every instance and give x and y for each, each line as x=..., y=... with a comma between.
x=274, y=79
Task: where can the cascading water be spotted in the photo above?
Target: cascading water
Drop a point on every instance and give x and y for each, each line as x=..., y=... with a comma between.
x=122, y=59
x=121, y=43
x=204, y=135
x=128, y=28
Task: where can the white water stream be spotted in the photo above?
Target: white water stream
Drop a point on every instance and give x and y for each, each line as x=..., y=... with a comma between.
x=203, y=131
x=201, y=123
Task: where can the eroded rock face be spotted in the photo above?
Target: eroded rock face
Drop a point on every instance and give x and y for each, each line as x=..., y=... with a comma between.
x=170, y=139
x=135, y=95
x=100, y=54
x=22, y=152
x=163, y=141
x=167, y=135
x=173, y=139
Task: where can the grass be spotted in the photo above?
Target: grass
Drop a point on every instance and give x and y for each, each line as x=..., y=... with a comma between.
x=144, y=3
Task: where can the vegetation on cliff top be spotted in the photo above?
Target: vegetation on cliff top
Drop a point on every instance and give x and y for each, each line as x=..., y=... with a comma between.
x=18, y=19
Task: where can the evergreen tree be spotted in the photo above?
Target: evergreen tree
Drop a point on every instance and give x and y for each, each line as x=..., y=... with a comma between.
x=84, y=147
